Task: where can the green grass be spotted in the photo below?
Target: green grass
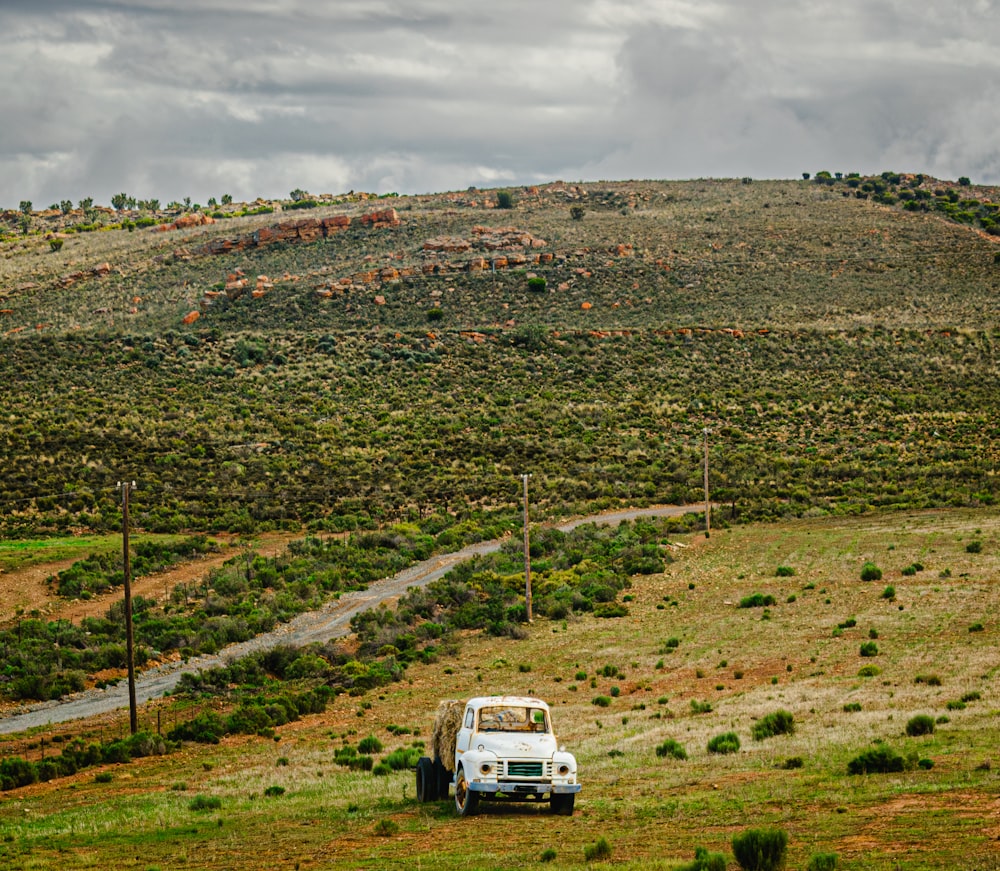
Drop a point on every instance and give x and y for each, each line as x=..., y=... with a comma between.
x=650, y=809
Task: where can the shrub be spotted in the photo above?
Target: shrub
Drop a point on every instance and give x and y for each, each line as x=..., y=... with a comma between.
x=386, y=828
x=548, y=855
x=822, y=862
x=974, y=547
x=792, y=762
x=601, y=701
x=577, y=212
x=869, y=671
x=779, y=722
x=103, y=777
x=871, y=572
x=889, y=592
x=976, y=627
x=728, y=742
x=705, y=861
x=274, y=791
x=369, y=745
x=536, y=284
x=785, y=572
x=597, y=851
x=852, y=707
x=757, y=600
x=205, y=803
x=505, y=200
x=700, y=707
x=761, y=849
x=921, y=724
x=877, y=760
x=869, y=648
x=672, y=748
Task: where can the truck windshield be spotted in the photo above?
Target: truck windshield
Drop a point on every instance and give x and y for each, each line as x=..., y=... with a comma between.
x=512, y=719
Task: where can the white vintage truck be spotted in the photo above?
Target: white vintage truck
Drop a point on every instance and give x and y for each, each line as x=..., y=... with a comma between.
x=497, y=748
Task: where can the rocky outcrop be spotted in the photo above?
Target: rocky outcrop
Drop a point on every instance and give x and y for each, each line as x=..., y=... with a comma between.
x=185, y=222
x=302, y=230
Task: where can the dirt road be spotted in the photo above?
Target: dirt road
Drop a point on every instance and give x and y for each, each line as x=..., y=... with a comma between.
x=331, y=621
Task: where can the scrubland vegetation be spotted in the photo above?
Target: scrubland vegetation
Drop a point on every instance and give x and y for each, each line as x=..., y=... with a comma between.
x=748, y=697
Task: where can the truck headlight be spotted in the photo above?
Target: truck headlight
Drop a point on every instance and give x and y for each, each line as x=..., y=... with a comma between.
x=563, y=770
x=485, y=768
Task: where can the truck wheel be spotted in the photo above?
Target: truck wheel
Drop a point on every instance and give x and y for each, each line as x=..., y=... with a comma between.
x=443, y=777
x=426, y=781
x=466, y=800
x=562, y=803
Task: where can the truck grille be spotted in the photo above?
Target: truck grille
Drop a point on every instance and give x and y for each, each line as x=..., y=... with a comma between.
x=525, y=769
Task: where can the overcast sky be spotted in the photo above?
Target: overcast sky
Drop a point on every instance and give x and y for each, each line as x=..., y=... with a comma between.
x=176, y=98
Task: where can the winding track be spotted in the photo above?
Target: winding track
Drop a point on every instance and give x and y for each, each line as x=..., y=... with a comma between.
x=331, y=621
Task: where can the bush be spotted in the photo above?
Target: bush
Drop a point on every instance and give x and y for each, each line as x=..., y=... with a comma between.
x=505, y=200
x=274, y=791
x=577, y=212
x=921, y=724
x=878, y=760
x=889, y=592
x=369, y=745
x=728, y=742
x=871, y=572
x=672, y=748
x=536, y=284
x=205, y=803
x=974, y=547
x=869, y=671
x=705, y=861
x=601, y=701
x=597, y=851
x=761, y=849
x=386, y=828
x=779, y=722
x=869, y=648
x=785, y=572
x=822, y=862
x=757, y=600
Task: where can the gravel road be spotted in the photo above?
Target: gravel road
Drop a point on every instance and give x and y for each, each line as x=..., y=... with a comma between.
x=331, y=621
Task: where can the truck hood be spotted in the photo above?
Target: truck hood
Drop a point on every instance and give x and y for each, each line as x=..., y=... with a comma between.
x=509, y=746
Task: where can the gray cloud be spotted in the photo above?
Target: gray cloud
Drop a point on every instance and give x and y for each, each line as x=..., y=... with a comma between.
x=186, y=98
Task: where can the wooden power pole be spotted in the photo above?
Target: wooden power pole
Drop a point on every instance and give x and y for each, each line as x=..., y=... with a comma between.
x=527, y=553
x=133, y=714
x=708, y=507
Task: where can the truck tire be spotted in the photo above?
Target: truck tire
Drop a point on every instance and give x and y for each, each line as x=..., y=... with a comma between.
x=426, y=780
x=562, y=803
x=443, y=776
x=466, y=800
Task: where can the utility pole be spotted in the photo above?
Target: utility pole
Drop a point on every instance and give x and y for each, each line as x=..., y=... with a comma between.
x=708, y=507
x=133, y=714
x=527, y=554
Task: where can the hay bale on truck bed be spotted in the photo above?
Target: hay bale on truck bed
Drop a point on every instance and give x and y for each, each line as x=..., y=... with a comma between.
x=446, y=725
